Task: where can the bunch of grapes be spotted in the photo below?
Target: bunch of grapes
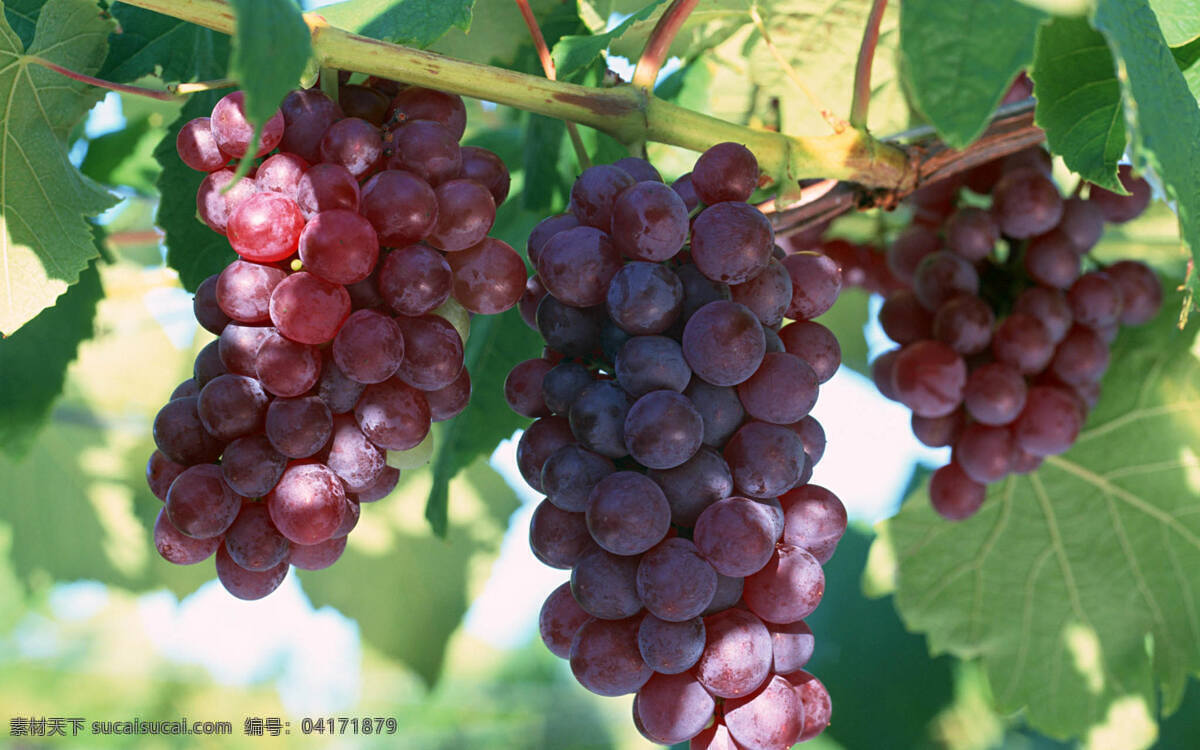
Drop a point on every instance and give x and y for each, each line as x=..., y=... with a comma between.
x=673, y=442
x=1002, y=318
x=363, y=248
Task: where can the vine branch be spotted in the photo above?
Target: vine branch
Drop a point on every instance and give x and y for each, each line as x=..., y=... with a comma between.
x=543, y=51
x=627, y=113
x=862, y=71
x=659, y=43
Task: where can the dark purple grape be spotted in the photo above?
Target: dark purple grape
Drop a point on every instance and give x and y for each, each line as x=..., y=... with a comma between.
x=670, y=647
x=662, y=429
x=1095, y=300
x=732, y=242
x=814, y=520
x=369, y=347
x=286, y=368
x=816, y=283
x=298, y=427
x=160, y=472
x=416, y=103
x=1083, y=222
x=1141, y=291
x=815, y=344
x=972, y=233
x=724, y=343
x=248, y=584
x=627, y=513
x=595, y=191
x=425, y=148
x=605, y=659
x=994, y=394
x=558, y=538
x=562, y=384
x=393, y=415
x=735, y=535
x=1022, y=342
x=639, y=169
x=353, y=143
x=1026, y=203
x=577, y=265
x=652, y=363
x=768, y=294
x=231, y=406
x=674, y=582
x=725, y=172
x=598, y=418
x=200, y=503
x=487, y=169
x=782, y=390
x=253, y=542
x=643, y=298
x=955, y=495
x=238, y=347
x=433, y=352
x=308, y=503
x=941, y=276
x=559, y=620
x=572, y=331
x=402, y=207
x=964, y=323
x=364, y=102
x=737, y=656
x=649, y=222
x=672, y=708
x=176, y=547
x=605, y=585
x=766, y=459
x=569, y=475
x=208, y=365
x=252, y=466
x=539, y=441
x=180, y=435
x=207, y=310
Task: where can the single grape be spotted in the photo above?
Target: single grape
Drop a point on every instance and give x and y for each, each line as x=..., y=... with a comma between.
x=788, y=588
x=627, y=513
x=649, y=222
x=598, y=418
x=308, y=309
x=251, y=465
x=651, y=363
x=354, y=144
x=1050, y=421
x=234, y=133
x=317, y=556
x=605, y=659
x=1052, y=260
x=380, y=488
x=339, y=392
x=816, y=283
x=687, y=191
x=197, y=146
x=559, y=620
x=672, y=708
x=928, y=377
x=265, y=227
x=539, y=441
x=773, y=717
x=393, y=415
x=433, y=352
x=208, y=365
x=562, y=383
x=253, y=542
x=725, y=172
x=415, y=103
x=737, y=656
x=425, y=148
x=1083, y=222
x=327, y=187
x=216, y=201
x=1119, y=209
x=768, y=294
x=814, y=520
x=984, y=452
x=639, y=169
x=577, y=265
x=904, y=319
x=1049, y=306
x=281, y=174
x=670, y=647
x=766, y=459
x=570, y=474
x=964, y=323
x=243, y=290
x=176, y=547
x=955, y=495
x=298, y=427
x=558, y=538
x=662, y=429
x=180, y=435
x=1095, y=300
x=450, y=401
x=339, y=246
x=465, y=214
x=231, y=406
x=972, y=233
x=185, y=389
x=364, y=102
x=160, y=472
x=735, y=535
x=731, y=242
x=605, y=585
x=248, y=584
x=594, y=193
x=1022, y=342
x=814, y=698
x=724, y=343
x=572, y=331
x=489, y=277
x=720, y=409
x=1026, y=203
x=1081, y=357
x=674, y=582
x=200, y=503
x=402, y=207
x=994, y=393
x=285, y=367
x=308, y=503
x=369, y=347
x=487, y=169
x=523, y=388
x=815, y=344
x=781, y=391
x=545, y=229
x=1141, y=291
x=642, y=298
x=883, y=373
x=698, y=291
x=792, y=645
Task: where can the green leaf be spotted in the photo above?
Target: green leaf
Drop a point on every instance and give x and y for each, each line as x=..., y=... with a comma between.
x=496, y=343
x=417, y=23
x=1079, y=99
x=544, y=142
x=420, y=586
x=150, y=43
x=125, y=157
x=22, y=16
x=1063, y=575
x=497, y=34
x=1161, y=113
x=271, y=49
x=574, y=53
x=1186, y=57
x=1179, y=20
x=960, y=58
x=44, y=240
x=33, y=361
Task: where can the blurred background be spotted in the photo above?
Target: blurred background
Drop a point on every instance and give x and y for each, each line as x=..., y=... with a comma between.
x=439, y=634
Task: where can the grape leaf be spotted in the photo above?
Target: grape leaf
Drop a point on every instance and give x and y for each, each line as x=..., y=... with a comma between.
x=1161, y=113
x=150, y=43
x=573, y=53
x=44, y=240
x=1186, y=57
x=417, y=23
x=33, y=361
x=420, y=586
x=194, y=250
x=1178, y=19
x=22, y=16
x=271, y=49
x=1063, y=574
x=1079, y=99
x=496, y=343
x=125, y=157
x=960, y=58
x=497, y=34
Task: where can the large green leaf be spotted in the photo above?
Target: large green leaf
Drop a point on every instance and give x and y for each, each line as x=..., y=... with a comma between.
x=417, y=23
x=1076, y=585
x=1178, y=19
x=271, y=49
x=497, y=34
x=44, y=240
x=194, y=250
x=496, y=343
x=413, y=588
x=959, y=59
x=573, y=53
x=22, y=16
x=1187, y=56
x=1161, y=113
x=150, y=43
x=33, y=361
x=1079, y=99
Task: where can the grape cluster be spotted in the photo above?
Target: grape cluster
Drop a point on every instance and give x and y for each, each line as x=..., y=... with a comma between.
x=673, y=441
x=363, y=249
x=1003, y=321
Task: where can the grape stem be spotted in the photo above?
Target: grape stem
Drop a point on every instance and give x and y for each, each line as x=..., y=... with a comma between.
x=543, y=51
x=862, y=71
x=160, y=94
x=627, y=113
x=659, y=43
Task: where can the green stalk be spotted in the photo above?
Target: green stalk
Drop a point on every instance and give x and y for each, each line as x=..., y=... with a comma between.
x=624, y=112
